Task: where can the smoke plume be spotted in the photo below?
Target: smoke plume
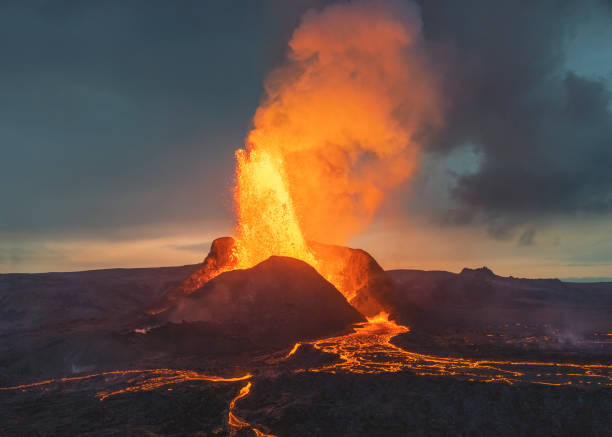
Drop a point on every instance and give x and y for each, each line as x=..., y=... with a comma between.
x=340, y=121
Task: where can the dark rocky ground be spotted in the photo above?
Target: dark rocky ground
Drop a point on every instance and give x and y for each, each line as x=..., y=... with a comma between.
x=275, y=303
x=70, y=324
x=481, y=315
x=477, y=297
x=318, y=404
x=188, y=408
x=401, y=404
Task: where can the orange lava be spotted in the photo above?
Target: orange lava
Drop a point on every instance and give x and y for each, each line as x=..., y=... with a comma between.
x=365, y=351
x=369, y=350
x=236, y=423
x=145, y=380
x=293, y=350
x=267, y=221
x=335, y=132
x=172, y=377
x=152, y=379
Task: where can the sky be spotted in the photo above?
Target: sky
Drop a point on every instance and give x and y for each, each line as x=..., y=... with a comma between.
x=120, y=121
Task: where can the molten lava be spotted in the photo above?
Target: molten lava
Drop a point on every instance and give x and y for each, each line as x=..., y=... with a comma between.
x=234, y=422
x=369, y=350
x=267, y=221
x=336, y=131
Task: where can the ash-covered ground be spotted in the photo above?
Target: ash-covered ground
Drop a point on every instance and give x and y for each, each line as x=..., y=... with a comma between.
x=483, y=355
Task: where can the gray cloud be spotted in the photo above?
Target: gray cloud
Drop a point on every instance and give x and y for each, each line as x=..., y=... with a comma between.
x=527, y=237
x=127, y=113
x=124, y=113
x=544, y=133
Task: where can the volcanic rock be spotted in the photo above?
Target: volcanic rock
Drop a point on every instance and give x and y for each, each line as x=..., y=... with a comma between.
x=480, y=298
x=58, y=324
x=219, y=258
x=482, y=273
x=356, y=274
x=281, y=299
x=359, y=276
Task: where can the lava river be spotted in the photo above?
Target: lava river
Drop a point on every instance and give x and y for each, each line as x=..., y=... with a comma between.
x=366, y=350
x=369, y=350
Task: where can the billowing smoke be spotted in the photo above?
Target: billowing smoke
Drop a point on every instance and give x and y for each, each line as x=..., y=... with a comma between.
x=341, y=121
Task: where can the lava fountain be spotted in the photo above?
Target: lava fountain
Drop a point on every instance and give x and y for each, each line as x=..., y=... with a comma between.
x=336, y=131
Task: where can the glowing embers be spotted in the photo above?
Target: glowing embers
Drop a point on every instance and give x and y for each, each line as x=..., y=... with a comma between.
x=369, y=350
x=267, y=222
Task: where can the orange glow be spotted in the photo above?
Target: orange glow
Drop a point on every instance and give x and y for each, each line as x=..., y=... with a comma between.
x=369, y=350
x=382, y=317
x=152, y=379
x=144, y=380
x=267, y=222
x=236, y=423
x=336, y=131
x=169, y=377
x=293, y=350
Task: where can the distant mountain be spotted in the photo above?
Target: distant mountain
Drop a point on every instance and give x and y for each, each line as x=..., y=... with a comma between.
x=38, y=300
x=61, y=323
x=588, y=279
x=478, y=297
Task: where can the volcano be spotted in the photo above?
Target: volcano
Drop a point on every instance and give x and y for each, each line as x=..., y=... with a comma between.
x=359, y=277
x=278, y=349
x=282, y=298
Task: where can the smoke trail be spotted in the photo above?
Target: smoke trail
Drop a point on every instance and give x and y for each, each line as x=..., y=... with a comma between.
x=338, y=126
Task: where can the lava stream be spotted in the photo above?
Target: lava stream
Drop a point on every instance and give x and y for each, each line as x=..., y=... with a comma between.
x=236, y=423
x=369, y=350
x=151, y=379
x=145, y=380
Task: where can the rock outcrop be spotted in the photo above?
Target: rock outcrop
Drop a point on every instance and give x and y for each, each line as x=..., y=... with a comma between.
x=281, y=298
x=354, y=272
x=357, y=274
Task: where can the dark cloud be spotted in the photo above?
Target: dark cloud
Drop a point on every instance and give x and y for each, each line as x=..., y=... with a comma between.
x=544, y=133
x=527, y=237
x=126, y=113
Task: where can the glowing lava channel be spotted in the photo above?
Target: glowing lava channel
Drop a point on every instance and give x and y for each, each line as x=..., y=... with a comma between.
x=145, y=380
x=152, y=379
x=339, y=127
x=267, y=222
x=369, y=350
x=236, y=423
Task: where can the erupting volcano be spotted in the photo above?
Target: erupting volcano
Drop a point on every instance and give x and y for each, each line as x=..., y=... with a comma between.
x=284, y=330
x=337, y=130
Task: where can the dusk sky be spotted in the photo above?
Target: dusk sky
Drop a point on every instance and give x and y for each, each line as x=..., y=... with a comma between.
x=120, y=121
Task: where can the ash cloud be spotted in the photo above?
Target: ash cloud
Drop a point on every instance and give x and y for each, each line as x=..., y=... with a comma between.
x=543, y=131
x=346, y=113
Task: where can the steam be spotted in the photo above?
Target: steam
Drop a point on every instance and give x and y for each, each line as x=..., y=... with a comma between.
x=344, y=115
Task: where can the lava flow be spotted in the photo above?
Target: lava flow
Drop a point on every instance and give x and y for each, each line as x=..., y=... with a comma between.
x=152, y=379
x=336, y=131
x=142, y=380
x=234, y=422
x=369, y=350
